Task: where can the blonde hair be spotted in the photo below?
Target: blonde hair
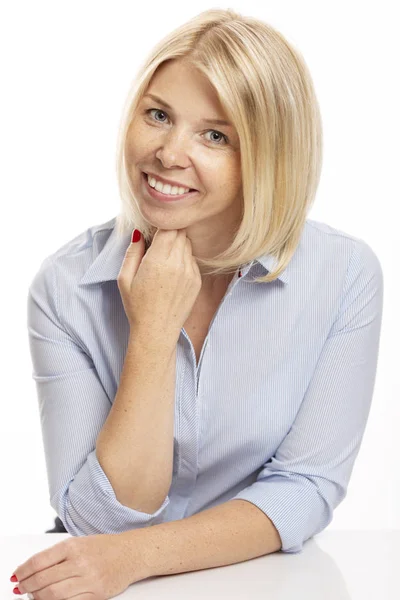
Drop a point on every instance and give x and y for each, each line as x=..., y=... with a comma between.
x=266, y=90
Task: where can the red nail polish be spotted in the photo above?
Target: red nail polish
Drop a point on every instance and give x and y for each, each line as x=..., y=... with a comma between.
x=13, y=578
x=136, y=236
x=16, y=590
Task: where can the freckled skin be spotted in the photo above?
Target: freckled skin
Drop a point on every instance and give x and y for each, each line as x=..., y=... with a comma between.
x=177, y=145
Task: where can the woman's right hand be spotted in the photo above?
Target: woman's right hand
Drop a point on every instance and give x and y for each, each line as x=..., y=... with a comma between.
x=159, y=287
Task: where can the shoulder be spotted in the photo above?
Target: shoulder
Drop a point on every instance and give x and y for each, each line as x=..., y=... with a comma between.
x=55, y=285
x=334, y=248
x=71, y=260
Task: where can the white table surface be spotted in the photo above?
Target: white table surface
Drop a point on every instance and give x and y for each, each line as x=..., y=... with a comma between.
x=334, y=565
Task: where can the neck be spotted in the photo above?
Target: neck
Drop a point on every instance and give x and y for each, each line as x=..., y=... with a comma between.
x=215, y=287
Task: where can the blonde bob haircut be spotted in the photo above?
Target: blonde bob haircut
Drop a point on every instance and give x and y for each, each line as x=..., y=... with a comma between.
x=266, y=90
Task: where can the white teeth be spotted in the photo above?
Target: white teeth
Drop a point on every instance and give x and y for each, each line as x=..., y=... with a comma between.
x=166, y=188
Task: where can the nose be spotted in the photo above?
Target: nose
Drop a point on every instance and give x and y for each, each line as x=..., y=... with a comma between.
x=173, y=151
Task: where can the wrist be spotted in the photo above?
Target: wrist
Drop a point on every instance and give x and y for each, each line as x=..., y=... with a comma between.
x=137, y=549
x=149, y=340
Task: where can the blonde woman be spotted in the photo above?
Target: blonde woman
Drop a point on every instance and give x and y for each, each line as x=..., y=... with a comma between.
x=205, y=383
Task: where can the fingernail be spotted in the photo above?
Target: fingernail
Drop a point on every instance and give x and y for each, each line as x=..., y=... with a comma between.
x=136, y=235
x=16, y=590
x=13, y=578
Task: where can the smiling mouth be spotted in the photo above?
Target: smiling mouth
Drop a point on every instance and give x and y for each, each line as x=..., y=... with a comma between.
x=147, y=176
x=166, y=197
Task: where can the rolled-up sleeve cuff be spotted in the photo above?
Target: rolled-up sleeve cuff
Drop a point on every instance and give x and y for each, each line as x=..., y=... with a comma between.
x=89, y=505
x=294, y=506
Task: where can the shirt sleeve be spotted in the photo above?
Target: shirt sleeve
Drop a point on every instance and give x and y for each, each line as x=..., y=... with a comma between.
x=73, y=406
x=307, y=478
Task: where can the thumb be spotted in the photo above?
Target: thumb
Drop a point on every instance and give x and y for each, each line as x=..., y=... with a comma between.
x=137, y=247
x=133, y=255
x=136, y=237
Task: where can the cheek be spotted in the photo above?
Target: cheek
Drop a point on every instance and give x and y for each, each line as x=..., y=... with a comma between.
x=225, y=188
x=135, y=142
x=231, y=181
x=130, y=146
x=221, y=179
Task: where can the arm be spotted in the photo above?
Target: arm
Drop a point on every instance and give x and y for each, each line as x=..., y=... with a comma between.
x=229, y=533
x=73, y=407
x=297, y=490
x=307, y=478
x=135, y=445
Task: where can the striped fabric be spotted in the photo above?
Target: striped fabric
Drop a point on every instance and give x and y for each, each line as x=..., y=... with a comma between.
x=274, y=413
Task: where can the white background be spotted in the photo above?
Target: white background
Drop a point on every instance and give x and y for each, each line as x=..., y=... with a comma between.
x=66, y=68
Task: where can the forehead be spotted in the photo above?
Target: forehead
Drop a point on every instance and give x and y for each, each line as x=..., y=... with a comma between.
x=211, y=121
x=180, y=87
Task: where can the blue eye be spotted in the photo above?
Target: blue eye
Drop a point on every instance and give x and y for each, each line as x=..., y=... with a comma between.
x=156, y=109
x=219, y=133
x=224, y=137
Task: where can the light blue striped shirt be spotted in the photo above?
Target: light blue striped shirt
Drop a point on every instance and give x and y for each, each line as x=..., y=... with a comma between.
x=274, y=413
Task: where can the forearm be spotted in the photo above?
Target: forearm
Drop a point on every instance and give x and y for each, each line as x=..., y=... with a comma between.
x=135, y=445
x=229, y=533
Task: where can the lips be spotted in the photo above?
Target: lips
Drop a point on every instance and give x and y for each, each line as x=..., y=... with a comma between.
x=166, y=198
x=166, y=181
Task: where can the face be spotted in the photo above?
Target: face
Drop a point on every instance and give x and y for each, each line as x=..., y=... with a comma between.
x=177, y=143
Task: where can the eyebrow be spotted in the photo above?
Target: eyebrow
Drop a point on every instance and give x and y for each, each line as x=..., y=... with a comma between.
x=212, y=121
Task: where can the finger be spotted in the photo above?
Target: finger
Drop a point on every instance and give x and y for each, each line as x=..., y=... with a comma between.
x=179, y=250
x=69, y=587
x=49, y=577
x=162, y=243
x=193, y=261
x=42, y=560
x=131, y=261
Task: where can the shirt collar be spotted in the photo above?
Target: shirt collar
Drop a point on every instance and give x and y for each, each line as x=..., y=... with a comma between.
x=107, y=263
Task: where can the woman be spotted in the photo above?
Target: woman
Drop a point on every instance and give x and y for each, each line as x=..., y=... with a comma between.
x=168, y=384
